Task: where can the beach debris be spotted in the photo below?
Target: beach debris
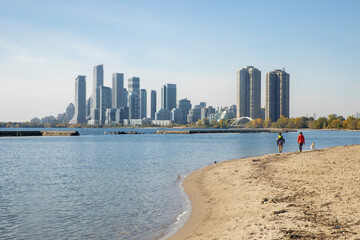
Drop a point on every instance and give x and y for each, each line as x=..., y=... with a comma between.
x=215, y=162
x=280, y=211
x=256, y=160
x=265, y=200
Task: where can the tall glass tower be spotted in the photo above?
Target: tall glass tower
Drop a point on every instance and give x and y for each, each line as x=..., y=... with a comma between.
x=118, y=90
x=80, y=101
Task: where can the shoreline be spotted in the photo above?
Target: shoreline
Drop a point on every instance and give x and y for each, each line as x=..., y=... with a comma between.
x=308, y=195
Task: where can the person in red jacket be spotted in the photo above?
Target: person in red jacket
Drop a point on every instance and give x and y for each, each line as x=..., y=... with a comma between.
x=301, y=141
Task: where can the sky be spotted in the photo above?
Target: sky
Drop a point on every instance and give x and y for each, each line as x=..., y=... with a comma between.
x=198, y=45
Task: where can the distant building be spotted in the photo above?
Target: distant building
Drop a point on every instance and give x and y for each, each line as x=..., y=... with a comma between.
x=163, y=114
x=118, y=90
x=121, y=114
x=194, y=114
x=105, y=102
x=98, y=80
x=171, y=96
x=134, y=105
x=143, y=103
x=203, y=104
x=134, y=84
x=206, y=112
x=110, y=116
x=185, y=106
x=125, y=97
x=61, y=118
x=249, y=92
x=168, y=96
x=176, y=115
x=134, y=97
x=277, y=95
x=80, y=101
x=161, y=122
x=69, y=112
x=163, y=97
x=153, y=104
x=49, y=120
x=88, y=107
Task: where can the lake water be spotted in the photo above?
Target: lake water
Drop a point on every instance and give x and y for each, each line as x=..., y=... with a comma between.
x=98, y=186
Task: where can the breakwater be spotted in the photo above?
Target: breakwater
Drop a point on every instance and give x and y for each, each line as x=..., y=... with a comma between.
x=37, y=133
x=199, y=131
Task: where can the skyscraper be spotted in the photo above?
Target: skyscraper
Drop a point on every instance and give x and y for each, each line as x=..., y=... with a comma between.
x=168, y=96
x=98, y=80
x=171, y=96
x=153, y=104
x=118, y=90
x=143, y=103
x=163, y=97
x=277, y=95
x=105, y=102
x=134, y=97
x=249, y=92
x=134, y=105
x=80, y=100
x=125, y=97
x=185, y=106
x=134, y=84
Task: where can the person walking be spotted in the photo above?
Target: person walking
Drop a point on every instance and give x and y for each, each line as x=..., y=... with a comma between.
x=301, y=141
x=280, y=142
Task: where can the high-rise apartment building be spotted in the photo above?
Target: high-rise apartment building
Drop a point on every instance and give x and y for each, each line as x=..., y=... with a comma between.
x=118, y=90
x=80, y=101
x=143, y=103
x=277, y=95
x=168, y=96
x=249, y=92
x=153, y=104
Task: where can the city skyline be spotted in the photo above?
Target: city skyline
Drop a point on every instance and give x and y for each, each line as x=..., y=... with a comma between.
x=45, y=46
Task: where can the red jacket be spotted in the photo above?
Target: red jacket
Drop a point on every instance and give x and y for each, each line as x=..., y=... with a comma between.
x=301, y=139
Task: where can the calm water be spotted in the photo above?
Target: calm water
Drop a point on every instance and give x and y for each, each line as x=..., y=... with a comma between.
x=98, y=186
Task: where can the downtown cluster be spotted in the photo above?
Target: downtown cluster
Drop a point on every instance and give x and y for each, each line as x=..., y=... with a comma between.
x=120, y=106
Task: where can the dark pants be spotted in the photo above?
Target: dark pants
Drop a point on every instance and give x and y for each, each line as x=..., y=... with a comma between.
x=300, y=146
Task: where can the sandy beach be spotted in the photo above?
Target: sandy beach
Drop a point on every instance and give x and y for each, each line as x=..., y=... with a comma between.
x=309, y=195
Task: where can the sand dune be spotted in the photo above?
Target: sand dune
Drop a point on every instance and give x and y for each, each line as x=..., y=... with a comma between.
x=308, y=195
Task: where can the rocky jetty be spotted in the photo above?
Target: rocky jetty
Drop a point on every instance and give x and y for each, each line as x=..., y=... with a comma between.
x=37, y=133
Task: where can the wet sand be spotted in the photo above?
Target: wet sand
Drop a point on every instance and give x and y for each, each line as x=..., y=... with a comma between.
x=309, y=195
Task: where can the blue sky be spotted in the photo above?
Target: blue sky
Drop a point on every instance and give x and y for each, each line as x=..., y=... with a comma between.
x=199, y=45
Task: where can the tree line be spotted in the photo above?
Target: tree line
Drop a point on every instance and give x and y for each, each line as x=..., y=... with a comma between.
x=331, y=122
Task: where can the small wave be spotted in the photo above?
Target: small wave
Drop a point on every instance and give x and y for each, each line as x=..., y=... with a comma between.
x=178, y=219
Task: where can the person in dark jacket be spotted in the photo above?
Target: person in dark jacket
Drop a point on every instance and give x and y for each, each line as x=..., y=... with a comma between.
x=280, y=142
